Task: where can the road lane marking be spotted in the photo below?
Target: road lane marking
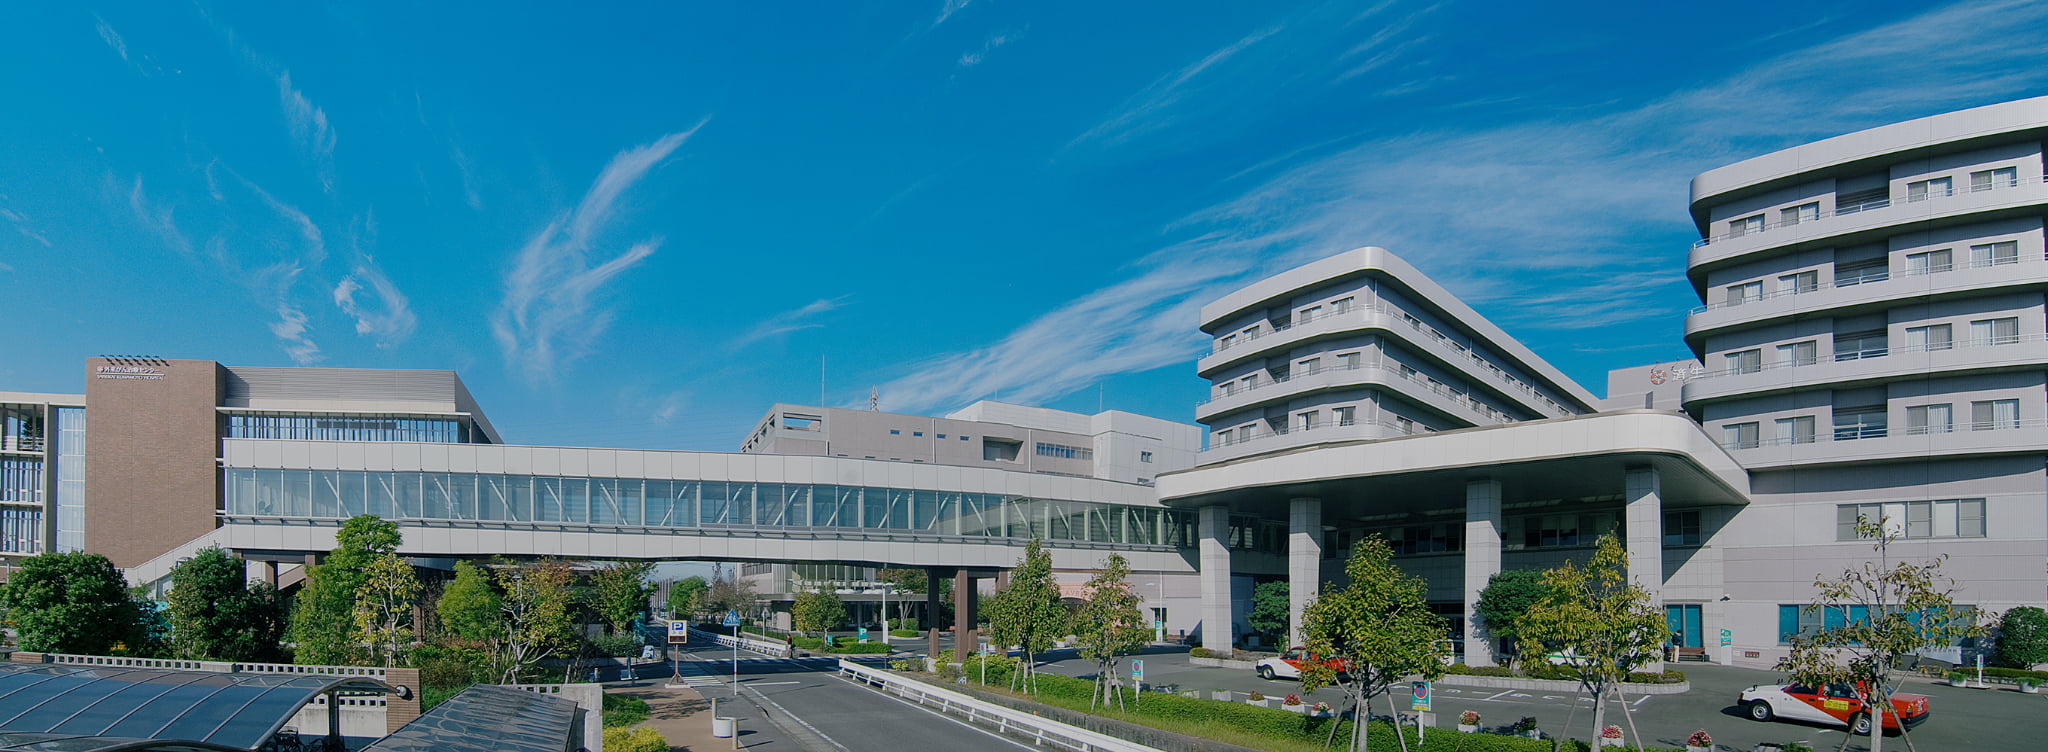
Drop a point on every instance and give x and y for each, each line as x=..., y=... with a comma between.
x=793, y=717
x=1498, y=696
x=769, y=684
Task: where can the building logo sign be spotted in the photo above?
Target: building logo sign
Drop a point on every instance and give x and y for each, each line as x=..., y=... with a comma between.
x=1679, y=372
x=130, y=373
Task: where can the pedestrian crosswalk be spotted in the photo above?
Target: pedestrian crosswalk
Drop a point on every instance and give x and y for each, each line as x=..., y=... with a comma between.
x=694, y=674
x=716, y=672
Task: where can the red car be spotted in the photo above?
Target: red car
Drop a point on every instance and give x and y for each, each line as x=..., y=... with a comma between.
x=1834, y=705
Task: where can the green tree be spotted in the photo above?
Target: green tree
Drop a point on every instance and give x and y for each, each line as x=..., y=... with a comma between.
x=323, y=616
x=816, y=611
x=1607, y=623
x=72, y=602
x=1109, y=625
x=1269, y=617
x=908, y=581
x=1898, y=609
x=620, y=592
x=536, y=616
x=1372, y=633
x=469, y=607
x=2023, y=637
x=216, y=615
x=1027, y=613
x=382, y=616
x=686, y=597
x=729, y=592
x=1507, y=595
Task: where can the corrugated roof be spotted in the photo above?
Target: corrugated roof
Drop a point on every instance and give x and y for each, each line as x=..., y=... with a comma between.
x=487, y=719
x=235, y=710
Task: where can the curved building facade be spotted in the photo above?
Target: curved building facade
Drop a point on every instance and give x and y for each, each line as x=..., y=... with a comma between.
x=1360, y=345
x=1874, y=345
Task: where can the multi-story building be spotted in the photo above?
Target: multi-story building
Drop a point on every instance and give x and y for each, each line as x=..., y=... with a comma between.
x=1362, y=346
x=1873, y=345
x=153, y=429
x=1112, y=445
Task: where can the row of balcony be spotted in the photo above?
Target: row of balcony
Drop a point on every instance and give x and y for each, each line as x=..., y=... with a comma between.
x=1864, y=282
x=21, y=443
x=1842, y=210
x=1269, y=439
x=1870, y=217
x=1869, y=365
x=1850, y=445
x=1286, y=335
x=1864, y=292
x=1438, y=395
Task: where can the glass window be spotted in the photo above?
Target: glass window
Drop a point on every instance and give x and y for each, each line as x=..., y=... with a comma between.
x=1930, y=262
x=1929, y=338
x=1793, y=215
x=1862, y=272
x=1994, y=415
x=1739, y=435
x=2003, y=177
x=1861, y=422
x=1745, y=293
x=1745, y=226
x=1798, y=354
x=1744, y=361
x=1858, y=345
x=1921, y=419
x=2002, y=331
x=1921, y=190
x=1793, y=284
x=1995, y=254
x=1795, y=430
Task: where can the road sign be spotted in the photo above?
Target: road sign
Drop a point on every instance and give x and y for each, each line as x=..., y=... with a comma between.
x=1137, y=670
x=1421, y=699
x=732, y=618
x=863, y=634
x=1727, y=637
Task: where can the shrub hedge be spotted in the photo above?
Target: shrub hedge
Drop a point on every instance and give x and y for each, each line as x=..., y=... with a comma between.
x=621, y=711
x=634, y=740
x=859, y=648
x=2016, y=673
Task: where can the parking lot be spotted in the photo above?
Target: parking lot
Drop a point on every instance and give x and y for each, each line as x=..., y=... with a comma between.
x=1963, y=719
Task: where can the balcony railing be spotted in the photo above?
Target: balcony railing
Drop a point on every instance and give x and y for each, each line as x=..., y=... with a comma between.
x=1855, y=281
x=1875, y=352
x=21, y=443
x=1862, y=432
x=1457, y=396
x=1858, y=208
x=1452, y=349
x=1268, y=433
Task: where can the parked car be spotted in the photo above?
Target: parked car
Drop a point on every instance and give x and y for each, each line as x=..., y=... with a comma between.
x=1290, y=664
x=1832, y=705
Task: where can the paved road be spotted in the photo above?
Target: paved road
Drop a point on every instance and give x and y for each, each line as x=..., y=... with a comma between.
x=1964, y=719
x=821, y=712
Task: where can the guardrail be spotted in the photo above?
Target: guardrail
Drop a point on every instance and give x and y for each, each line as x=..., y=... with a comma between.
x=1044, y=730
x=773, y=649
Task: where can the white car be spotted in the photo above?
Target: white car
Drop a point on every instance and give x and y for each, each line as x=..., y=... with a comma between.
x=1833, y=705
x=1288, y=665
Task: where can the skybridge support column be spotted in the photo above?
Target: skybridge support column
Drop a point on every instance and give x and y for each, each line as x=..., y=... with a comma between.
x=1645, y=516
x=1482, y=560
x=931, y=612
x=1304, y=561
x=1214, y=533
x=964, y=601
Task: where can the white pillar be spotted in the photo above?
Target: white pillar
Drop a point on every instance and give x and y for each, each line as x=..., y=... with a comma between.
x=1214, y=531
x=1482, y=560
x=1645, y=515
x=1304, y=561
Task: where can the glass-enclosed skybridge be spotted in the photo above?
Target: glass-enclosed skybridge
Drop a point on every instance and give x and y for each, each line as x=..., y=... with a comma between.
x=283, y=500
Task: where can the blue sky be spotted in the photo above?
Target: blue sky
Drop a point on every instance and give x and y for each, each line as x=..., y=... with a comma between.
x=640, y=226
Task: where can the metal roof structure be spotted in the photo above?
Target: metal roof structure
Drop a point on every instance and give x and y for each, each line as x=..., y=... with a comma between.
x=135, y=705
x=13, y=742
x=487, y=719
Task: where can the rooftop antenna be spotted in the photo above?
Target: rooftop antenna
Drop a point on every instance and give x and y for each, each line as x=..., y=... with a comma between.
x=874, y=399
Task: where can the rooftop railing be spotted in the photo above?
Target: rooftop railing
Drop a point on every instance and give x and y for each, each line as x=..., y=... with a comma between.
x=1859, y=208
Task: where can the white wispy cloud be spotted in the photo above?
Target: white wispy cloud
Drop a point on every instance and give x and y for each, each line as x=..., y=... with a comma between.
x=548, y=316
x=308, y=125
x=1149, y=109
x=973, y=58
x=1585, y=211
x=158, y=219
x=947, y=9
x=291, y=327
x=111, y=37
x=389, y=319
x=23, y=225
x=796, y=319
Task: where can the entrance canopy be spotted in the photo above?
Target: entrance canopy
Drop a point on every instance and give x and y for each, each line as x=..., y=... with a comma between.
x=238, y=711
x=1561, y=458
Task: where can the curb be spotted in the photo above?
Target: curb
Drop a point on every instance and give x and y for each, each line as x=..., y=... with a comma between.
x=1556, y=685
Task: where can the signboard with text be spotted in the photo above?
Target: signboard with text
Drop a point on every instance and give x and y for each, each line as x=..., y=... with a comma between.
x=1420, y=701
x=678, y=632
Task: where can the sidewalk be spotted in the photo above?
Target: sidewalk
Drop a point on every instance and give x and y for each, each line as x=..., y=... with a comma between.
x=681, y=715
